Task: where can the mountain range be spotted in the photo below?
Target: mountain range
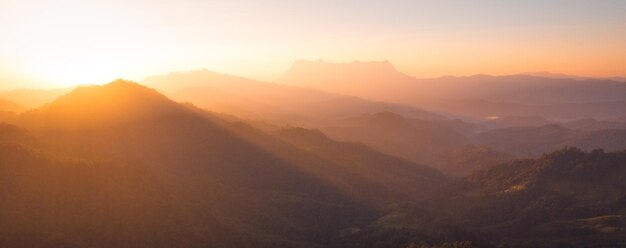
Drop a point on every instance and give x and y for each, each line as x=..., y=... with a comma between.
x=203, y=159
x=477, y=96
x=269, y=101
x=150, y=169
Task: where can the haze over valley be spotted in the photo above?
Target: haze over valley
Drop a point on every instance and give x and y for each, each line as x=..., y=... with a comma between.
x=410, y=124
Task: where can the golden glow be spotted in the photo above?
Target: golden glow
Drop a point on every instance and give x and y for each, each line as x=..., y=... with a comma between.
x=58, y=45
x=68, y=42
x=70, y=66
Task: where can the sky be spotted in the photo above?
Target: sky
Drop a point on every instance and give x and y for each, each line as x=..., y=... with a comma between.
x=58, y=43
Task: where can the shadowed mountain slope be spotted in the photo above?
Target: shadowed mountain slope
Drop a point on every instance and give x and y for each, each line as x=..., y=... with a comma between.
x=214, y=176
x=143, y=171
x=417, y=140
x=441, y=144
x=567, y=198
x=397, y=176
x=122, y=165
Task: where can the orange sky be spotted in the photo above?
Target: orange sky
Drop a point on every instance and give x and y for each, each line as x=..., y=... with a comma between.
x=51, y=44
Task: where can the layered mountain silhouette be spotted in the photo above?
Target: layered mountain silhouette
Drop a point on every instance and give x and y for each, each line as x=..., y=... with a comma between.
x=442, y=144
x=418, y=140
x=477, y=96
x=396, y=176
x=122, y=165
x=267, y=101
x=325, y=157
x=363, y=79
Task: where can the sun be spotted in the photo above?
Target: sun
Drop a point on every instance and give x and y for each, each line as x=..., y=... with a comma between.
x=71, y=46
x=72, y=72
x=67, y=57
x=95, y=59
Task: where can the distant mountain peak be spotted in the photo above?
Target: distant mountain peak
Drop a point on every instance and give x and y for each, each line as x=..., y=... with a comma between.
x=354, y=78
x=120, y=82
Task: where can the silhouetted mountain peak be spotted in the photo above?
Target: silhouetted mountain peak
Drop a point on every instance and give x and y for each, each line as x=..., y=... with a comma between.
x=120, y=101
x=119, y=93
x=122, y=83
x=342, y=76
x=115, y=85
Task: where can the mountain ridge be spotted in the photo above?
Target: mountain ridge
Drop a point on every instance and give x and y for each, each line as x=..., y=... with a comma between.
x=452, y=94
x=270, y=101
x=200, y=173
